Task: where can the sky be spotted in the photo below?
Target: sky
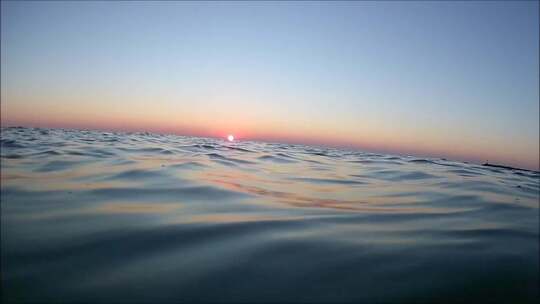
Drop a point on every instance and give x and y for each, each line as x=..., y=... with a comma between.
x=458, y=80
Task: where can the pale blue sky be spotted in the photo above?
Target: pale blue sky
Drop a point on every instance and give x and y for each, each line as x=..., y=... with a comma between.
x=434, y=75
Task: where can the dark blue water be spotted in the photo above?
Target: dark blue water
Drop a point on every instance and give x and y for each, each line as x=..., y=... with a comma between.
x=110, y=217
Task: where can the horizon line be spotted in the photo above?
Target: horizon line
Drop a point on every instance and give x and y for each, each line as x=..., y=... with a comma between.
x=270, y=141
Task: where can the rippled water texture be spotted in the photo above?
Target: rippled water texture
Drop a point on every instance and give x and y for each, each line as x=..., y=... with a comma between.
x=92, y=216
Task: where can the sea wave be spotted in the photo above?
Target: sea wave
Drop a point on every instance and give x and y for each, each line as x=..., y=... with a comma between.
x=105, y=216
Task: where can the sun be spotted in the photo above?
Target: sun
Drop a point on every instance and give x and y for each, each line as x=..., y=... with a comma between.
x=230, y=137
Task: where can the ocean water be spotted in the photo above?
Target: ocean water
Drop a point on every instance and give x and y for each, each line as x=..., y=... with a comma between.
x=110, y=217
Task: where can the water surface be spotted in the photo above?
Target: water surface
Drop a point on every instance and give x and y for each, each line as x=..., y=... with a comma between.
x=109, y=217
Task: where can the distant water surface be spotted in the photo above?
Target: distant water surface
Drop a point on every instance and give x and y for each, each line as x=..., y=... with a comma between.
x=109, y=217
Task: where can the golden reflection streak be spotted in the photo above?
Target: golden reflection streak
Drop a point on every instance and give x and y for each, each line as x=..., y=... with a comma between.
x=235, y=218
x=305, y=201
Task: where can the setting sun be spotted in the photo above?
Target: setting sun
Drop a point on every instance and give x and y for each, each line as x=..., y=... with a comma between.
x=230, y=138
